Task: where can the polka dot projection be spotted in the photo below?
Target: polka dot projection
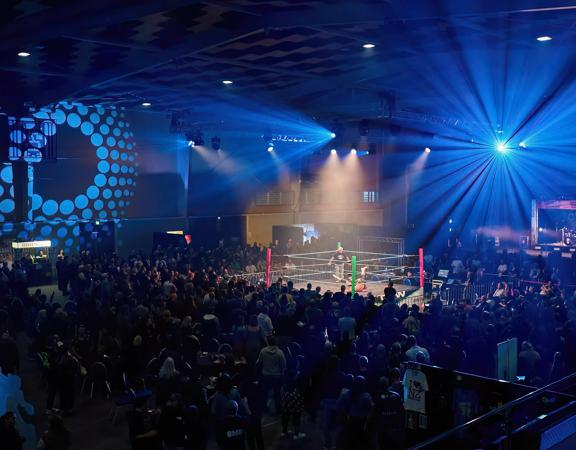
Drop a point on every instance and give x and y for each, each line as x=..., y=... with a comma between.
x=111, y=143
x=95, y=124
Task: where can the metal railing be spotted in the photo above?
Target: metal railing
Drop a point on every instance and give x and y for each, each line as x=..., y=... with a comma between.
x=453, y=432
x=316, y=196
x=274, y=198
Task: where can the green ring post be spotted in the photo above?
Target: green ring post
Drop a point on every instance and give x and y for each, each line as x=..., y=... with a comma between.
x=353, y=275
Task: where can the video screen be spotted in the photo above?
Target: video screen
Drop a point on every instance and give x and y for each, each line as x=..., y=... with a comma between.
x=557, y=227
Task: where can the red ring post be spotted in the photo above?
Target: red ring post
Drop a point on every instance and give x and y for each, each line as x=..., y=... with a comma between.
x=268, y=265
x=421, y=263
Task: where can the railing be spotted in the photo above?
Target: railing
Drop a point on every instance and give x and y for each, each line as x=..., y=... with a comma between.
x=315, y=196
x=274, y=198
x=458, y=291
x=442, y=440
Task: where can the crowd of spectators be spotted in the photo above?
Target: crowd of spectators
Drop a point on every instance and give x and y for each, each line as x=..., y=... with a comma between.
x=197, y=353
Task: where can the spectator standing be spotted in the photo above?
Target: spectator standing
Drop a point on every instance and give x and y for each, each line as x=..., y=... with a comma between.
x=57, y=437
x=273, y=367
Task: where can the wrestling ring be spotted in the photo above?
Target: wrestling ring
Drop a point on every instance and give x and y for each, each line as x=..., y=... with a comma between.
x=371, y=272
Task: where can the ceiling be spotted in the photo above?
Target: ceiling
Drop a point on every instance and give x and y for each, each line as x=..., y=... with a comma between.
x=304, y=54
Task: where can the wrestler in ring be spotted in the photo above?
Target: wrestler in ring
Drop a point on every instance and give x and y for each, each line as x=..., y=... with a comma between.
x=360, y=281
x=338, y=260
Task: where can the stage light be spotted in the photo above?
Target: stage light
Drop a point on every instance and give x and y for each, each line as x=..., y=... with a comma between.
x=368, y=45
x=23, y=54
x=543, y=38
x=146, y=104
x=501, y=147
x=540, y=229
x=522, y=145
x=270, y=148
x=194, y=138
x=333, y=151
x=427, y=150
x=332, y=135
x=353, y=151
x=227, y=82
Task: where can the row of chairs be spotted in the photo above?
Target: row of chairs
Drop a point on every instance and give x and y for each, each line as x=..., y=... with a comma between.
x=97, y=380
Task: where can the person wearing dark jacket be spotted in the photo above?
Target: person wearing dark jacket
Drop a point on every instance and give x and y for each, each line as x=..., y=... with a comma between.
x=231, y=429
x=57, y=437
x=256, y=399
x=9, y=359
x=10, y=438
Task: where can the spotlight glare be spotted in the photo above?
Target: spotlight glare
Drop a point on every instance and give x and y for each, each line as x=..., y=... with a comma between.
x=270, y=149
x=191, y=143
x=23, y=54
x=522, y=145
x=227, y=82
x=353, y=151
x=368, y=45
x=543, y=38
x=333, y=151
x=501, y=147
x=427, y=150
x=332, y=135
x=146, y=104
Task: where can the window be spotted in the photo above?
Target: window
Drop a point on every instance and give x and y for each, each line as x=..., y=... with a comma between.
x=369, y=196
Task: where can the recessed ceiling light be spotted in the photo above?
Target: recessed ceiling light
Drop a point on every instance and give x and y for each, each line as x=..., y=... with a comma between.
x=23, y=54
x=227, y=82
x=368, y=45
x=146, y=104
x=543, y=38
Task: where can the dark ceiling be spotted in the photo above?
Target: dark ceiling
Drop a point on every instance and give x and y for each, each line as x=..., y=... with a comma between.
x=305, y=54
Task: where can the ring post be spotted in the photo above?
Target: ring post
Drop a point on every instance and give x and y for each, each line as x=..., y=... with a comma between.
x=268, y=265
x=353, y=275
x=421, y=263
